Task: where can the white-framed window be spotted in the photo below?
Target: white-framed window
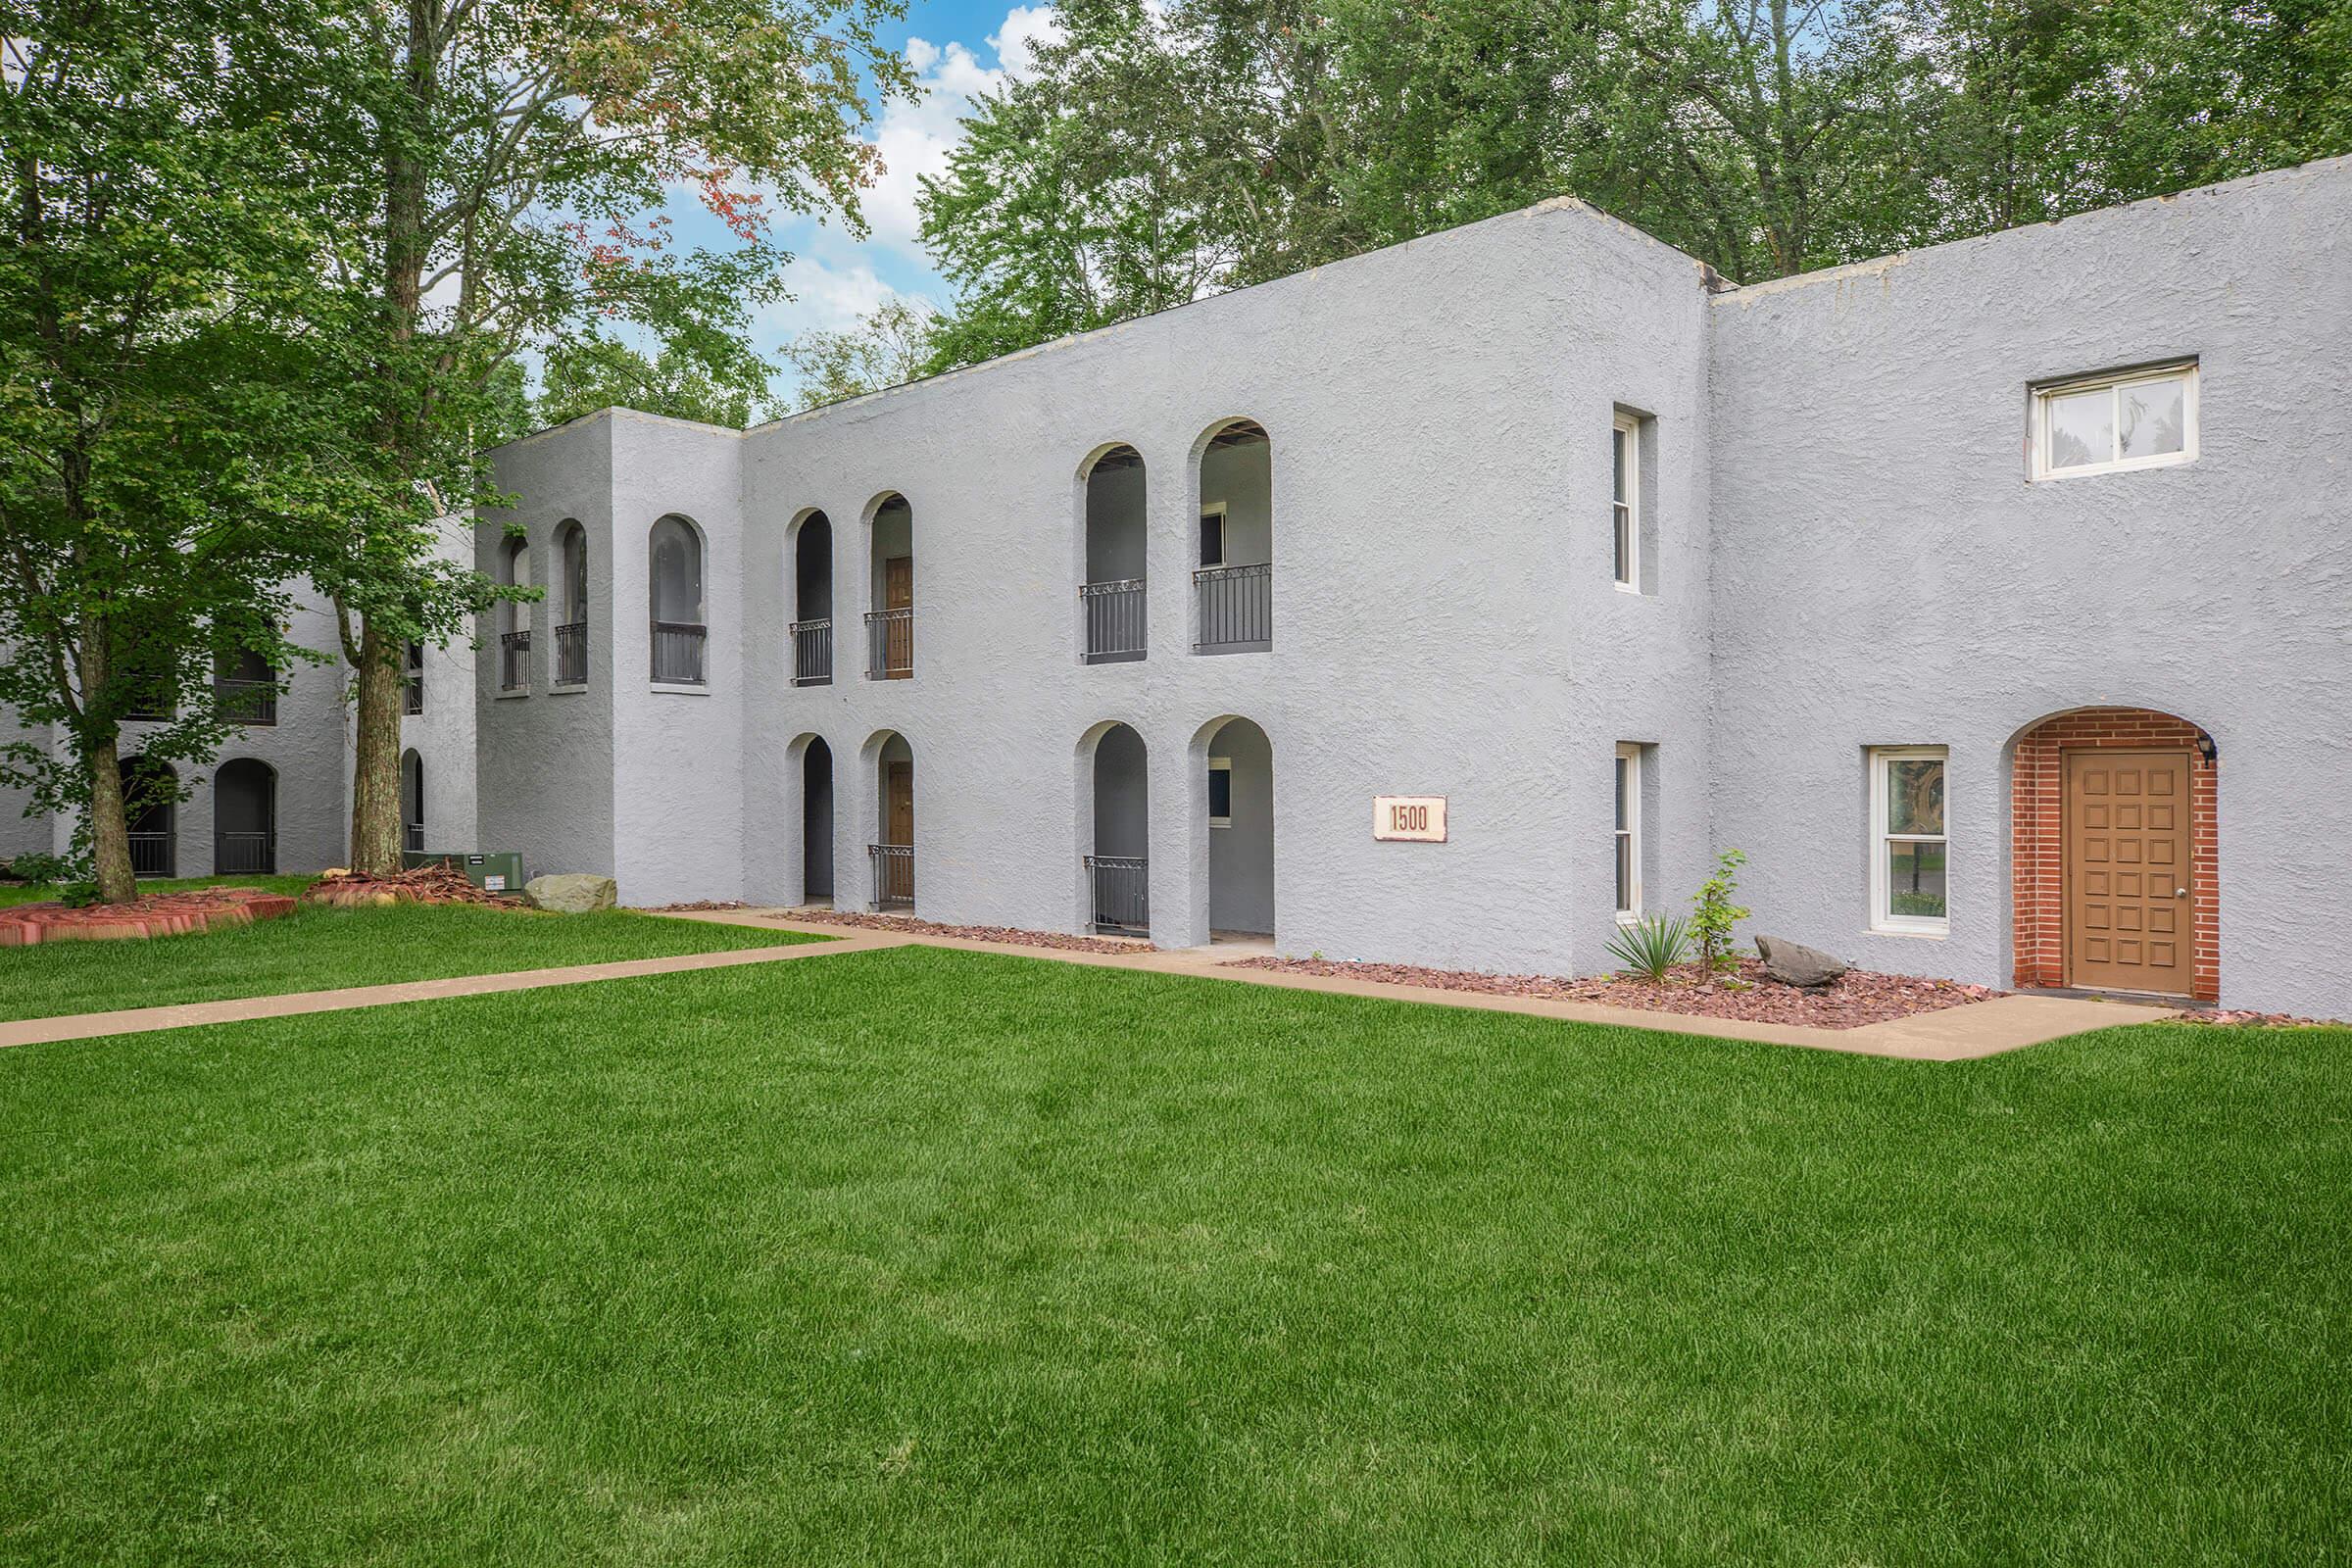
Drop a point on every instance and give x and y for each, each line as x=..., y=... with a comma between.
x=1625, y=501
x=1629, y=833
x=1220, y=792
x=1212, y=534
x=1910, y=852
x=2100, y=425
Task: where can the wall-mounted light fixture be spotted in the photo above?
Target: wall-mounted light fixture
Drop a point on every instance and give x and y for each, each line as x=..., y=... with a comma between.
x=2206, y=749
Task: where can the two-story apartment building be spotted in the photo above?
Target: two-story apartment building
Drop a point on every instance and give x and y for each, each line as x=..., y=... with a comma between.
x=1454, y=603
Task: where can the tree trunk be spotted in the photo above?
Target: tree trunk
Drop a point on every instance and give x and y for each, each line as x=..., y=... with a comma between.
x=375, y=842
x=110, y=829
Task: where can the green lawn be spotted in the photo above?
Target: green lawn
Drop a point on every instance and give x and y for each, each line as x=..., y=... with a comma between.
x=318, y=949
x=929, y=1258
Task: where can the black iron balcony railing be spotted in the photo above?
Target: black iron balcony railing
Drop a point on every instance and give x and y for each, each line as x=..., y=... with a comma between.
x=1122, y=894
x=1236, y=607
x=1114, y=621
x=245, y=702
x=678, y=652
x=571, y=654
x=244, y=854
x=813, y=653
x=416, y=696
x=894, y=875
x=514, y=662
x=412, y=837
x=150, y=854
x=149, y=700
x=889, y=644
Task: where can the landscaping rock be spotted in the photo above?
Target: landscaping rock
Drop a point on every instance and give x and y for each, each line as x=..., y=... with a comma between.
x=573, y=893
x=1793, y=964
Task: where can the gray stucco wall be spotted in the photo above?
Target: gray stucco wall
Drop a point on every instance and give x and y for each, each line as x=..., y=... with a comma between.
x=443, y=734
x=1886, y=573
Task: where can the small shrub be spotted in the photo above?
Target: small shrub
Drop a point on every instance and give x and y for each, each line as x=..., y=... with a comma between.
x=77, y=895
x=39, y=868
x=1715, y=913
x=1652, y=948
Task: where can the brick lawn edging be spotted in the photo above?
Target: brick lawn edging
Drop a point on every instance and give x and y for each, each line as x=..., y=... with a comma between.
x=159, y=914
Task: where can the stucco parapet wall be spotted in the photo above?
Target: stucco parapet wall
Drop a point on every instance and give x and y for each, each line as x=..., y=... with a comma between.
x=1884, y=266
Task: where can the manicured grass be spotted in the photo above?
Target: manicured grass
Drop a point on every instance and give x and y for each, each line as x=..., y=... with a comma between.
x=922, y=1256
x=318, y=949
x=41, y=892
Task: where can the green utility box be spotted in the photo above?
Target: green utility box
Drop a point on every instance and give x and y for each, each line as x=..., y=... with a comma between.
x=493, y=873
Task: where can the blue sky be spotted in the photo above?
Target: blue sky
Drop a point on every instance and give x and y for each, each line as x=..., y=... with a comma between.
x=957, y=48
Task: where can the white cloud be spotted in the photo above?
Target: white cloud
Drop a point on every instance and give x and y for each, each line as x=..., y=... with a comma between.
x=915, y=138
x=825, y=295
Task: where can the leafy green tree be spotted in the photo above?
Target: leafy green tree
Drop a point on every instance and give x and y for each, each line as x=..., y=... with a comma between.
x=493, y=169
x=581, y=377
x=890, y=346
x=152, y=482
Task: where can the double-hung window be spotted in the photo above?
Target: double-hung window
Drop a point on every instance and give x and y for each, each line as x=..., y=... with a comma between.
x=1220, y=792
x=1629, y=833
x=1910, y=850
x=1625, y=500
x=2135, y=420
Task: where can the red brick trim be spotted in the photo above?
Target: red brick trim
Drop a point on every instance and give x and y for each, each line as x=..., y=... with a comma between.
x=2036, y=778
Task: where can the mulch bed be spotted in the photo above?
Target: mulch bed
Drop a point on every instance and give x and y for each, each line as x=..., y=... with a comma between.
x=159, y=914
x=426, y=884
x=2240, y=1017
x=1852, y=1000
x=700, y=906
x=971, y=933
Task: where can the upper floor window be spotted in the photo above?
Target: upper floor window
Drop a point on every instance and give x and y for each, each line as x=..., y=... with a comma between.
x=2138, y=420
x=674, y=552
x=1625, y=500
x=1910, y=845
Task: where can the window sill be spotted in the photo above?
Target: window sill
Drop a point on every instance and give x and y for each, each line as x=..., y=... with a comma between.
x=1633, y=588
x=507, y=697
x=675, y=688
x=569, y=689
x=1917, y=933
x=1629, y=916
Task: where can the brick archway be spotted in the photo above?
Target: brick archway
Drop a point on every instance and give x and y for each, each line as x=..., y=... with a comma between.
x=2037, y=826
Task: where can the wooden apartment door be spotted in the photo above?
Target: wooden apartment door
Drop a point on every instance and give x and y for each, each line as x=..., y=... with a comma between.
x=2131, y=900
x=898, y=593
x=898, y=827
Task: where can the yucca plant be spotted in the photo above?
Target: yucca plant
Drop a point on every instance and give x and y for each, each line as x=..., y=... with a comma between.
x=1652, y=948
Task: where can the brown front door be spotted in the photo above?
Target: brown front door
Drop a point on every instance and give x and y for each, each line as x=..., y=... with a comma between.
x=898, y=593
x=2130, y=897
x=899, y=828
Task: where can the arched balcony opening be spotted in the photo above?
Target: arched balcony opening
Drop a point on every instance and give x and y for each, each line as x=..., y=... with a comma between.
x=1237, y=794
x=812, y=602
x=151, y=810
x=1111, y=599
x=890, y=616
x=1116, y=841
x=571, y=605
x=674, y=582
x=514, y=618
x=892, y=854
x=245, y=688
x=816, y=821
x=1233, y=583
x=412, y=802
x=245, y=818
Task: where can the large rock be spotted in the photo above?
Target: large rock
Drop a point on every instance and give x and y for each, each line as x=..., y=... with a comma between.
x=574, y=893
x=1793, y=964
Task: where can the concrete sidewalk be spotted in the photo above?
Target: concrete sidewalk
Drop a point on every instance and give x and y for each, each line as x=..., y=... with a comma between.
x=1955, y=1034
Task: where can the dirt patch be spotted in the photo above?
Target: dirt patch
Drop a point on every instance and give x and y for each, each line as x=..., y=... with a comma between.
x=699, y=906
x=1854, y=999
x=426, y=884
x=159, y=914
x=1057, y=940
x=2239, y=1018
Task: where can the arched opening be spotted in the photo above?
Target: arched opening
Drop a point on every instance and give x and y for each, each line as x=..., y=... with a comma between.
x=514, y=618
x=571, y=607
x=245, y=818
x=674, y=581
x=245, y=688
x=890, y=617
x=2115, y=854
x=816, y=821
x=812, y=602
x=412, y=802
x=1112, y=598
x=892, y=850
x=1237, y=794
x=1233, y=582
x=1117, y=823
x=151, y=809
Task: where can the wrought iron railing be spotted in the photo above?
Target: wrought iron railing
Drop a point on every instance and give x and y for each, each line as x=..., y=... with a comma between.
x=150, y=854
x=571, y=654
x=894, y=875
x=1114, y=621
x=149, y=699
x=412, y=837
x=242, y=700
x=889, y=644
x=244, y=854
x=414, y=701
x=1121, y=892
x=813, y=653
x=1236, y=608
x=678, y=652
x=514, y=662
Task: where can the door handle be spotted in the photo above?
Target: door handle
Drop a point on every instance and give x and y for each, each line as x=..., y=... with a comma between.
x=2180, y=893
